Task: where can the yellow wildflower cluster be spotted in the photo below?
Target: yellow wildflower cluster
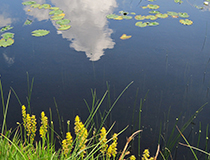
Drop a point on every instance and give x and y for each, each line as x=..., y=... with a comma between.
x=132, y=157
x=67, y=143
x=112, y=150
x=81, y=133
x=146, y=155
x=103, y=140
x=43, y=128
x=29, y=123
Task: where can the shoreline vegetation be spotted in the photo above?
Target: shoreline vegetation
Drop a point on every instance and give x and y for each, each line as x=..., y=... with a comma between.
x=88, y=140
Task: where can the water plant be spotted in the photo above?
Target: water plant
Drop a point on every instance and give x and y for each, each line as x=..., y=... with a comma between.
x=40, y=33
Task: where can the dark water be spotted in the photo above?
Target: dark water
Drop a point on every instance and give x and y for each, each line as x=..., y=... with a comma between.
x=170, y=60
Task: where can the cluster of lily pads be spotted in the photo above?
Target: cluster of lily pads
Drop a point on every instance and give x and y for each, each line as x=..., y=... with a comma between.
x=56, y=14
x=7, y=39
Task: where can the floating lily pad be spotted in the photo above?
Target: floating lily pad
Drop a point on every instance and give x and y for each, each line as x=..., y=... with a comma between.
x=57, y=17
x=154, y=11
x=63, y=21
x=178, y=1
x=6, y=42
x=35, y=5
x=198, y=7
x=144, y=7
x=56, y=11
x=111, y=16
x=119, y=18
x=160, y=15
x=124, y=36
x=186, y=21
x=29, y=3
x=7, y=35
x=45, y=6
x=153, y=6
x=140, y=24
x=172, y=13
x=40, y=32
x=28, y=22
x=183, y=14
x=153, y=17
x=54, y=8
x=127, y=17
x=133, y=13
x=6, y=28
x=153, y=24
x=139, y=17
x=64, y=27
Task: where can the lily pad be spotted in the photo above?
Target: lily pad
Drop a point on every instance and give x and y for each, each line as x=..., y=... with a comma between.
x=64, y=27
x=178, y=1
x=172, y=13
x=28, y=22
x=144, y=7
x=139, y=17
x=56, y=11
x=153, y=17
x=133, y=13
x=183, y=14
x=35, y=5
x=63, y=21
x=45, y=6
x=119, y=18
x=186, y=21
x=140, y=24
x=7, y=35
x=111, y=16
x=124, y=36
x=57, y=17
x=127, y=17
x=29, y=3
x=6, y=42
x=154, y=11
x=54, y=8
x=6, y=28
x=153, y=23
x=153, y=6
x=40, y=32
x=160, y=15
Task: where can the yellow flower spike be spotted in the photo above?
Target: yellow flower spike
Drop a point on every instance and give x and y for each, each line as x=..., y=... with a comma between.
x=65, y=148
x=24, y=115
x=28, y=124
x=33, y=127
x=104, y=140
x=132, y=157
x=112, y=150
x=44, y=122
x=124, y=36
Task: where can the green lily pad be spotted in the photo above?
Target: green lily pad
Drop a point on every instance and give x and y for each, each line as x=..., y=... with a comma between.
x=28, y=22
x=64, y=27
x=40, y=32
x=7, y=35
x=29, y=3
x=160, y=15
x=153, y=23
x=45, y=6
x=154, y=11
x=153, y=6
x=6, y=28
x=139, y=17
x=172, y=13
x=35, y=5
x=133, y=13
x=186, y=21
x=183, y=14
x=56, y=11
x=140, y=24
x=63, y=21
x=198, y=7
x=178, y=1
x=6, y=42
x=111, y=16
x=144, y=7
x=127, y=17
x=153, y=17
x=57, y=17
x=54, y=8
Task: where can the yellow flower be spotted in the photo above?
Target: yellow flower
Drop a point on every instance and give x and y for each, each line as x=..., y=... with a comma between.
x=112, y=150
x=44, y=122
x=24, y=115
x=146, y=155
x=67, y=143
x=28, y=124
x=103, y=140
x=132, y=157
x=33, y=127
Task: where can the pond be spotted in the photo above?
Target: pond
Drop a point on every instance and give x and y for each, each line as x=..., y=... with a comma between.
x=167, y=62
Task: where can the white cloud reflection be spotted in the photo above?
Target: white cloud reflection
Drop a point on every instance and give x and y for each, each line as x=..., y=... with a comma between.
x=89, y=32
x=4, y=21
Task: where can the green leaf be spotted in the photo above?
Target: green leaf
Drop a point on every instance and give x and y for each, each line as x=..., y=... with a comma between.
x=40, y=32
x=64, y=27
x=127, y=17
x=56, y=12
x=6, y=28
x=45, y=6
x=7, y=35
x=29, y=3
x=6, y=42
x=28, y=22
x=172, y=13
x=63, y=21
x=186, y=21
x=139, y=17
x=178, y=1
x=133, y=13
x=183, y=14
x=140, y=24
x=153, y=23
x=54, y=8
x=153, y=6
x=111, y=16
x=57, y=17
x=35, y=5
x=160, y=15
x=154, y=11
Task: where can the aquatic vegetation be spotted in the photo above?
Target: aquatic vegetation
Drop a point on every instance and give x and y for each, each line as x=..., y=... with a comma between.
x=6, y=42
x=7, y=35
x=58, y=11
x=152, y=6
x=111, y=16
x=123, y=12
x=141, y=24
x=119, y=18
x=183, y=14
x=45, y=6
x=124, y=36
x=127, y=17
x=133, y=13
x=161, y=15
x=170, y=13
x=151, y=17
x=178, y=1
x=64, y=27
x=63, y=21
x=40, y=32
x=186, y=21
x=35, y=5
x=29, y=3
x=6, y=28
x=154, y=11
x=139, y=17
x=153, y=24
x=27, y=22
x=57, y=17
x=146, y=155
x=54, y=8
